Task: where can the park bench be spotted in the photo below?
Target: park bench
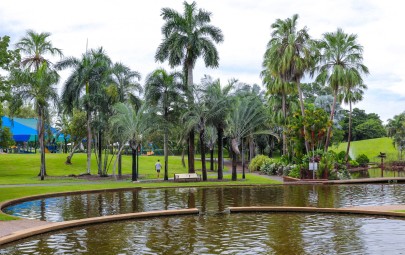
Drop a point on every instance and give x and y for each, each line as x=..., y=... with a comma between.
x=187, y=177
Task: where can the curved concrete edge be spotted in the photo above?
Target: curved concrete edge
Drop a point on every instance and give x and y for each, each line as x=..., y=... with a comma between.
x=77, y=223
x=314, y=210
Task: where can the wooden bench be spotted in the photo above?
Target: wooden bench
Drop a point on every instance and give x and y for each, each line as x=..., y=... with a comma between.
x=187, y=177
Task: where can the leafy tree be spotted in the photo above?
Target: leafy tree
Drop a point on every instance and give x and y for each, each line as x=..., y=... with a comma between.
x=247, y=115
x=290, y=54
x=38, y=86
x=163, y=93
x=187, y=37
x=341, y=64
x=130, y=126
x=76, y=131
x=223, y=98
x=311, y=91
x=9, y=60
x=396, y=130
x=351, y=93
x=370, y=129
x=35, y=46
x=88, y=75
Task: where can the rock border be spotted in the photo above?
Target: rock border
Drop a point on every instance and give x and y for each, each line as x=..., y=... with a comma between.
x=77, y=223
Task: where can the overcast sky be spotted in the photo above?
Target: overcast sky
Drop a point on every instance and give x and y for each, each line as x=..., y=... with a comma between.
x=130, y=32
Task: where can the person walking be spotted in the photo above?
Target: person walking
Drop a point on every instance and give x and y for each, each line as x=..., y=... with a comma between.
x=158, y=166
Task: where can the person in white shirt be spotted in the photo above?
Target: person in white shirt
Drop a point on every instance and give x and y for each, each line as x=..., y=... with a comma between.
x=158, y=166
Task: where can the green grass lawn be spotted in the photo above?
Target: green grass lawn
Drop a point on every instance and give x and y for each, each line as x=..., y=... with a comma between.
x=24, y=168
x=371, y=148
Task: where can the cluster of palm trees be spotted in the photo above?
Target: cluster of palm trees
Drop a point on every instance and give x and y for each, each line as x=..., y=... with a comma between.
x=336, y=61
x=110, y=95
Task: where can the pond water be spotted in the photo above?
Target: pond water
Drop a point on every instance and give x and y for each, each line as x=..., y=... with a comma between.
x=215, y=231
x=208, y=200
x=249, y=233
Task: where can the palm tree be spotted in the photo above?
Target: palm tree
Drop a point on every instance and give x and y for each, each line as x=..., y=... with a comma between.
x=86, y=79
x=187, y=37
x=341, y=63
x=35, y=46
x=131, y=126
x=38, y=85
x=127, y=82
x=351, y=94
x=247, y=115
x=210, y=138
x=289, y=55
x=215, y=93
x=163, y=91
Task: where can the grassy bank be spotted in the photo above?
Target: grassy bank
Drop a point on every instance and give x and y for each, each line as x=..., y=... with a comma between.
x=371, y=148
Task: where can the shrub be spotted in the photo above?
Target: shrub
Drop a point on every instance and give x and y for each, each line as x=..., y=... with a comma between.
x=353, y=163
x=362, y=160
x=341, y=157
x=295, y=171
x=257, y=162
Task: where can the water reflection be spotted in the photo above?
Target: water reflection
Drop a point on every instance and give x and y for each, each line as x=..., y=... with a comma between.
x=251, y=233
x=208, y=200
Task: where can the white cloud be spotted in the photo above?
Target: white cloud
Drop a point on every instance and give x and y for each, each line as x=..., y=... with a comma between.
x=130, y=33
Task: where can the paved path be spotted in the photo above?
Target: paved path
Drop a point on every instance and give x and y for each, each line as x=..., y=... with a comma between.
x=8, y=227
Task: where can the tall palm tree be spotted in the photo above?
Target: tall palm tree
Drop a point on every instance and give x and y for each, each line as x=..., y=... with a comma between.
x=127, y=83
x=290, y=54
x=341, y=63
x=36, y=46
x=351, y=94
x=216, y=93
x=131, y=126
x=187, y=37
x=88, y=74
x=210, y=138
x=38, y=85
x=163, y=92
x=247, y=115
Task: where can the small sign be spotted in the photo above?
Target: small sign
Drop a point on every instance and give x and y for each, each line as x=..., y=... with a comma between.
x=313, y=166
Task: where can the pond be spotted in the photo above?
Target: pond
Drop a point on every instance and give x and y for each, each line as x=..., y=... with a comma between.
x=215, y=231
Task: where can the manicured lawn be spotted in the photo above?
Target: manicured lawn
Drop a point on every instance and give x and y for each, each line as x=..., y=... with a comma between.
x=24, y=168
x=371, y=148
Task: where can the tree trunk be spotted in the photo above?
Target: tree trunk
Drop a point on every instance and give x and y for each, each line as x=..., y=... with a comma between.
x=243, y=161
x=88, y=168
x=284, y=110
x=350, y=133
x=303, y=115
x=212, y=159
x=119, y=161
x=328, y=134
x=100, y=152
x=183, y=162
x=69, y=158
x=191, y=166
x=40, y=127
x=134, y=173
x=220, y=132
x=166, y=154
x=234, y=164
x=202, y=146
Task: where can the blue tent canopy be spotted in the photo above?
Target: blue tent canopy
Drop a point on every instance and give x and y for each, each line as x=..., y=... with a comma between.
x=21, y=133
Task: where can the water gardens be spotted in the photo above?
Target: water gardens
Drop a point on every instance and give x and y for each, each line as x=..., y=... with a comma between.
x=104, y=104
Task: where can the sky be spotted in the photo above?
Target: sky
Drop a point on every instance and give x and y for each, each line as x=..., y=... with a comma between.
x=130, y=32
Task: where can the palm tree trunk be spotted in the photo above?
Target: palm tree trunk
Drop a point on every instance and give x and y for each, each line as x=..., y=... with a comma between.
x=234, y=164
x=328, y=134
x=166, y=154
x=134, y=173
x=284, y=110
x=100, y=152
x=202, y=146
x=191, y=167
x=212, y=159
x=303, y=114
x=120, y=160
x=88, y=143
x=350, y=133
x=40, y=127
x=220, y=132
